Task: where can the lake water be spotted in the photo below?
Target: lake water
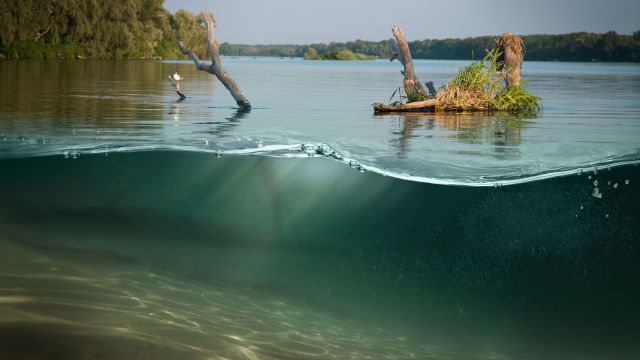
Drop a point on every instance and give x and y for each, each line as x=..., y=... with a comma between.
x=133, y=225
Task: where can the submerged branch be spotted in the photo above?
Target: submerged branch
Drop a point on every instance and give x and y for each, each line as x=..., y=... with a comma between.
x=216, y=65
x=176, y=84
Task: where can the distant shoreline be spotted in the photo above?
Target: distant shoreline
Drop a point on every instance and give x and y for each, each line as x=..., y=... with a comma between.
x=139, y=31
x=573, y=47
x=302, y=59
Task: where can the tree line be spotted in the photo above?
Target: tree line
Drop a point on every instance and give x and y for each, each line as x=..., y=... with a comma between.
x=581, y=46
x=135, y=29
x=102, y=29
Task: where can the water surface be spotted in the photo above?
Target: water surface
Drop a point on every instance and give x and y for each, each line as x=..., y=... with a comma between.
x=590, y=115
x=133, y=225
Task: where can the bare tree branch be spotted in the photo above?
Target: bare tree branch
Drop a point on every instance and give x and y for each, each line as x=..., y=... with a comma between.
x=216, y=65
x=411, y=82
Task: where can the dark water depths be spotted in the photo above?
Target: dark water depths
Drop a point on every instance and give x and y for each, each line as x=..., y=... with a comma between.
x=133, y=226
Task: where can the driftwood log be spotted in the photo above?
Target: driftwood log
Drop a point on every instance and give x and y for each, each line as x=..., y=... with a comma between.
x=418, y=106
x=216, y=65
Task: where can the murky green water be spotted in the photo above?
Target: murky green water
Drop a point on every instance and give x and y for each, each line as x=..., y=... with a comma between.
x=134, y=226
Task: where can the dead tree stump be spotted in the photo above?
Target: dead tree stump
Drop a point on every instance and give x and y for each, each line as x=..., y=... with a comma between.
x=512, y=50
x=412, y=86
x=216, y=65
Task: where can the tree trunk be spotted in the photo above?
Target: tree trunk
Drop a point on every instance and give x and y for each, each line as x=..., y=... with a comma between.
x=412, y=86
x=512, y=50
x=216, y=65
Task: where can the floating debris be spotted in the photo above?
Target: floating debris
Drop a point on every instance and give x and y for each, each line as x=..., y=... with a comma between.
x=596, y=193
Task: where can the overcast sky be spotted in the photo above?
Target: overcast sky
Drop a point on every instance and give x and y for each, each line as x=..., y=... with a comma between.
x=309, y=21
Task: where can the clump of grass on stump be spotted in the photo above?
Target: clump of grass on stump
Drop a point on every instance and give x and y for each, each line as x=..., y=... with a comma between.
x=473, y=87
x=514, y=98
x=481, y=86
x=492, y=83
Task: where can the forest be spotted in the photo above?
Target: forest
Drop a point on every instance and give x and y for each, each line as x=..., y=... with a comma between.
x=100, y=29
x=144, y=29
x=582, y=46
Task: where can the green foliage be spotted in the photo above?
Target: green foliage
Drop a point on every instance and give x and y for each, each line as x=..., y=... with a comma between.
x=144, y=29
x=191, y=30
x=41, y=50
x=345, y=54
x=413, y=96
x=516, y=99
x=566, y=47
x=96, y=29
x=311, y=54
x=481, y=86
x=480, y=75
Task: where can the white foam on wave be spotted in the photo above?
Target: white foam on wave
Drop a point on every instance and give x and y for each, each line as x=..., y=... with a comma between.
x=311, y=150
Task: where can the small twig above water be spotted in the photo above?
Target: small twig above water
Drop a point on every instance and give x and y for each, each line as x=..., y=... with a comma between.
x=175, y=81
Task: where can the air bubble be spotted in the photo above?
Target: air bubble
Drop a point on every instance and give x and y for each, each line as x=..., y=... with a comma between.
x=615, y=186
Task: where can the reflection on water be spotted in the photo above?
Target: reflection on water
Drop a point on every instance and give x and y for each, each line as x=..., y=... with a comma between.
x=49, y=107
x=501, y=131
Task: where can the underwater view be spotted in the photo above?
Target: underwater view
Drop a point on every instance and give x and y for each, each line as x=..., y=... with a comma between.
x=137, y=226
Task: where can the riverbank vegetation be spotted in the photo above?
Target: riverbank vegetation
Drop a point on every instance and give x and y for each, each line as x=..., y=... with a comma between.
x=100, y=29
x=312, y=54
x=138, y=29
x=609, y=47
